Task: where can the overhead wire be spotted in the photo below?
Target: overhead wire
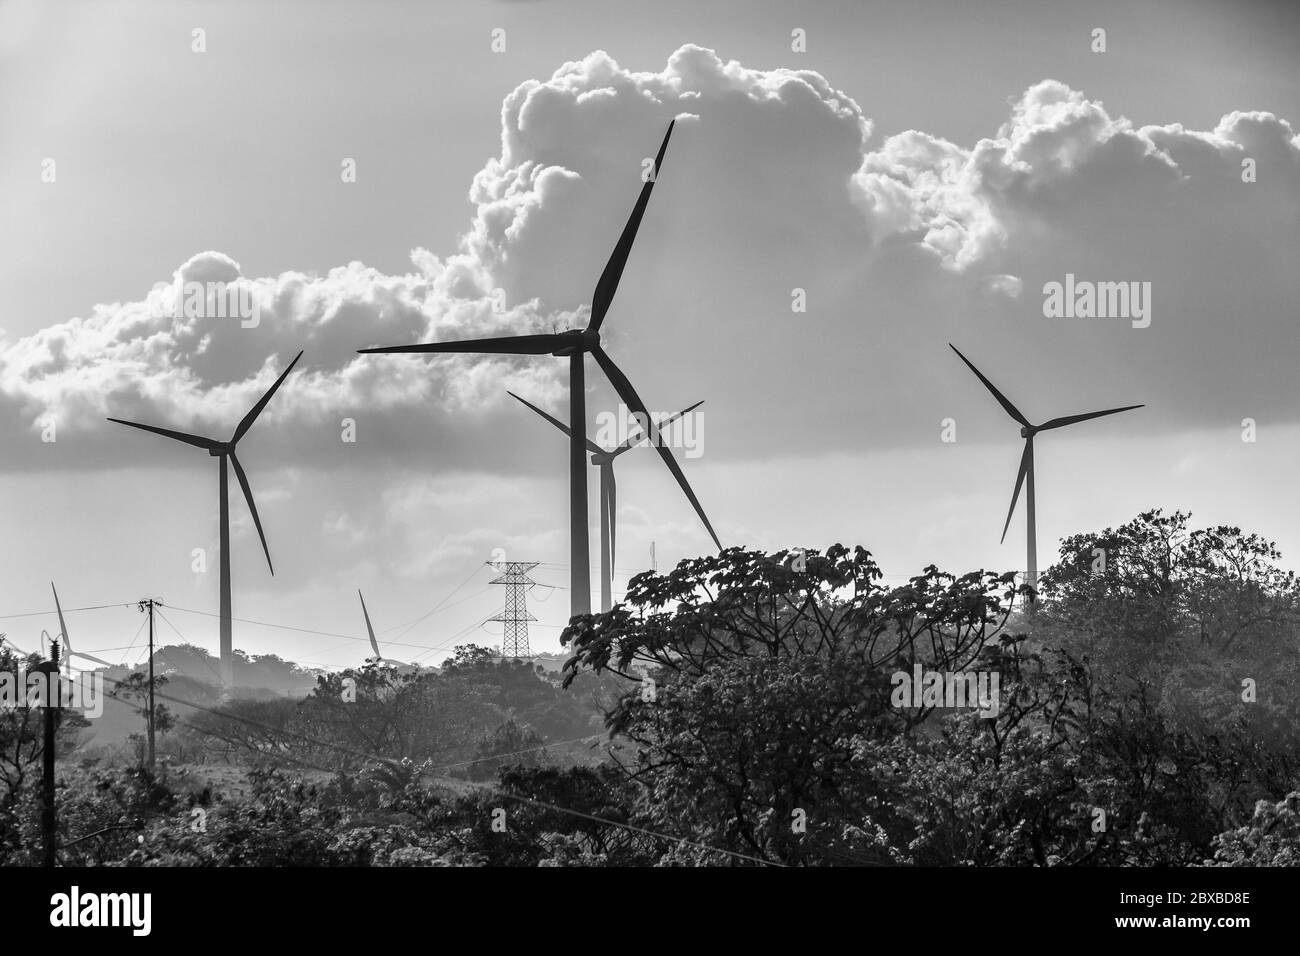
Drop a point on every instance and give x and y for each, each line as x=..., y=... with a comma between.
x=505, y=793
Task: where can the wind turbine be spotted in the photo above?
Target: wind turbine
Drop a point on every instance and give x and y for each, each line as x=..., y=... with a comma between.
x=225, y=451
x=371, y=631
x=604, y=460
x=63, y=633
x=1026, y=474
x=574, y=345
x=68, y=652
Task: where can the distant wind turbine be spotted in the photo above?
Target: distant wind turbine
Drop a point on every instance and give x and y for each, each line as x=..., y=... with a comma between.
x=225, y=450
x=604, y=460
x=66, y=639
x=1026, y=474
x=374, y=644
x=63, y=634
x=574, y=345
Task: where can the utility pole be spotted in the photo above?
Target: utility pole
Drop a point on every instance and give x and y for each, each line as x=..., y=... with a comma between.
x=52, y=701
x=149, y=605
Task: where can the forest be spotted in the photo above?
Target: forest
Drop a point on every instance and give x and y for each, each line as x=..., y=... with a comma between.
x=739, y=710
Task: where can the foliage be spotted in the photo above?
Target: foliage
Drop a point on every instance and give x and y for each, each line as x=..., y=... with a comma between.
x=1146, y=715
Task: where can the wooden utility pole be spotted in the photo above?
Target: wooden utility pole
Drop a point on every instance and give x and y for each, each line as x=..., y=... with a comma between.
x=52, y=701
x=149, y=604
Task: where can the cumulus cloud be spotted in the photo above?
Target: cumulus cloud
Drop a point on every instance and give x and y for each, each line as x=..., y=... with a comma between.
x=779, y=157
x=1057, y=151
x=570, y=162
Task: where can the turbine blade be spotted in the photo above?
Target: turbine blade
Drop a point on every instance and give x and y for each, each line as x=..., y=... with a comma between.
x=632, y=442
x=248, y=496
x=608, y=284
x=591, y=445
x=374, y=645
x=1071, y=419
x=197, y=440
x=91, y=657
x=633, y=401
x=501, y=345
x=256, y=410
x=1002, y=399
x=1020, y=480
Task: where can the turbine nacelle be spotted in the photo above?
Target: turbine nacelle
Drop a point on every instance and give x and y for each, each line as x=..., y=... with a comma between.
x=577, y=342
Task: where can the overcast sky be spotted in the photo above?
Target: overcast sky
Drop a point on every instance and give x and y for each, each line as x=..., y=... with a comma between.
x=919, y=170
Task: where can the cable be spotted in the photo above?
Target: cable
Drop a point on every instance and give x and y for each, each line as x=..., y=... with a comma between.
x=66, y=610
x=504, y=793
x=132, y=644
x=309, y=630
x=443, y=646
x=407, y=627
x=206, y=660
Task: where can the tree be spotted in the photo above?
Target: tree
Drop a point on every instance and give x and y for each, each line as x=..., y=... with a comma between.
x=22, y=742
x=135, y=688
x=770, y=673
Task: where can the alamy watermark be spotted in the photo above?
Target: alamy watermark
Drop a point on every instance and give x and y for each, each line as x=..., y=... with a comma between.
x=23, y=688
x=207, y=300
x=75, y=908
x=948, y=689
x=1084, y=299
x=686, y=432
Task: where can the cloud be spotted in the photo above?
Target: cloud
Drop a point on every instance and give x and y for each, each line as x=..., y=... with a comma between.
x=890, y=234
x=1057, y=153
x=570, y=163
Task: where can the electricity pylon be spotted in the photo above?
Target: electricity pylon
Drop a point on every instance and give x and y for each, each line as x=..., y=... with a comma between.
x=515, y=617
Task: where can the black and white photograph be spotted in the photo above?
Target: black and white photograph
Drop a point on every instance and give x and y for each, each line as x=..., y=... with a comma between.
x=492, y=435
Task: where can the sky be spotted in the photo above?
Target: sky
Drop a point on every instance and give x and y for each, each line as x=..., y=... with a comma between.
x=386, y=173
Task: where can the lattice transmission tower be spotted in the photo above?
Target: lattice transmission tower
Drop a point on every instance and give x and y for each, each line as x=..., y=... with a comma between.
x=515, y=617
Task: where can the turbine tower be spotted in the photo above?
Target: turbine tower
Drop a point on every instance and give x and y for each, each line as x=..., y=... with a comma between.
x=604, y=460
x=1025, y=476
x=515, y=617
x=225, y=451
x=574, y=345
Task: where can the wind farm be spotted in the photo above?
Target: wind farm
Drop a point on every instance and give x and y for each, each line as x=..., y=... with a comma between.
x=361, y=253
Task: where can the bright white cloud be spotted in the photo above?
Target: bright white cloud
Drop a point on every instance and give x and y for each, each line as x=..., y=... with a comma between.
x=778, y=156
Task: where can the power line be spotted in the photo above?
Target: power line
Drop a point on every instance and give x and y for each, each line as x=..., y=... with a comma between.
x=66, y=610
x=310, y=630
x=132, y=644
x=206, y=660
x=406, y=627
x=549, y=806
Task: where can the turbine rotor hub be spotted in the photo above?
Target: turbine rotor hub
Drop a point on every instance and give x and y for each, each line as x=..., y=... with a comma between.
x=580, y=343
